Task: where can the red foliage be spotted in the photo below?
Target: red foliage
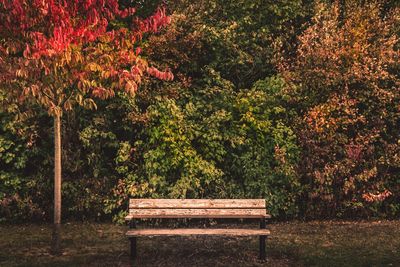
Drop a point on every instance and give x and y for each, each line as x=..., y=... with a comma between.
x=68, y=48
x=162, y=75
x=369, y=197
x=64, y=23
x=154, y=22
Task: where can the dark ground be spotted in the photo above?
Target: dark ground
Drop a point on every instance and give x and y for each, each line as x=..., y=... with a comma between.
x=333, y=243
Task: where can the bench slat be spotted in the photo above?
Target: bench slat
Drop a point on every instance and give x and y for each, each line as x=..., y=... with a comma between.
x=197, y=203
x=197, y=213
x=171, y=232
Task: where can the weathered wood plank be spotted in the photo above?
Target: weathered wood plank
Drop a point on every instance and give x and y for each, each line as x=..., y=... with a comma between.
x=171, y=232
x=130, y=217
x=197, y=213
x=197, y=203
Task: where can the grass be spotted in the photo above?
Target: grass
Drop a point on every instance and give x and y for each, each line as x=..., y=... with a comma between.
x=333, y=243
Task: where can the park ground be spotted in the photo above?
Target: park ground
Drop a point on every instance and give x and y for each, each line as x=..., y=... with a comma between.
x=327, y=243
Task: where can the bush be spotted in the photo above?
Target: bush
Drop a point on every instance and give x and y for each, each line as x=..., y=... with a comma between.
x=346, y=81
x=215, y=143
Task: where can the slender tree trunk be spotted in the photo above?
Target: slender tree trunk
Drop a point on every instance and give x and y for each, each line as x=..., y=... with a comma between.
x=342, y=11
x=56, y=238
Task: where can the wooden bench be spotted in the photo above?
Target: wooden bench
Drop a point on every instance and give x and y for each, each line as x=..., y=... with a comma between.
x=197, y=208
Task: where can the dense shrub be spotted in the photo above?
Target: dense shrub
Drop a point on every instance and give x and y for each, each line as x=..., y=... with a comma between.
x=346, y=83
x=215, y=143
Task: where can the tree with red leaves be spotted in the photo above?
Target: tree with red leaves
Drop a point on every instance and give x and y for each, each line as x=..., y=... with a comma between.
x=63, y=53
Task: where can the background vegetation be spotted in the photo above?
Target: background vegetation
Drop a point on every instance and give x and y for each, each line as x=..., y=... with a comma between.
x=294, y=101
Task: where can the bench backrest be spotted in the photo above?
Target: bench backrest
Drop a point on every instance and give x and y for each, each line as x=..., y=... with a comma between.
x=197, y=208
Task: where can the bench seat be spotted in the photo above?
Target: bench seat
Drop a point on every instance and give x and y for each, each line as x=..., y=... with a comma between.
x=196, y=213
x=196, y=231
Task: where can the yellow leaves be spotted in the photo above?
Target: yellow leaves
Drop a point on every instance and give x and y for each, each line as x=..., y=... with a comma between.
x=79, y=99
x=89, y=103
x=67, y=105
x=85, y=85
x=105, y=74
x=131, y=87
x=102, y=93
x=280, y=154
x=86, y=102
x=65, y=59
x=94, y=67
x=21, y=73
x=76, y=56
x=34, y=89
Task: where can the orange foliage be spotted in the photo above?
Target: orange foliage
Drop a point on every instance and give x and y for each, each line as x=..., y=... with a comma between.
x=346, y=74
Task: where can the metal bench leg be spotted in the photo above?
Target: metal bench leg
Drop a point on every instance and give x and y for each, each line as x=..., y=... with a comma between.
x=262, y=240
x=262, y=247
x=133, y=247
x=132, y=241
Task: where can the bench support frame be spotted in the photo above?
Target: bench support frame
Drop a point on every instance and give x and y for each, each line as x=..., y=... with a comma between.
x=263, y=225
x=197, y=208
x=132, y=225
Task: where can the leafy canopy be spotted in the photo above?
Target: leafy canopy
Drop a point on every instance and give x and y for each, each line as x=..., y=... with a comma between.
x=63, y=53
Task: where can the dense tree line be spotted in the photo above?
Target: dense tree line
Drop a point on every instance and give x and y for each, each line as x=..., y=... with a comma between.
x=294, y=101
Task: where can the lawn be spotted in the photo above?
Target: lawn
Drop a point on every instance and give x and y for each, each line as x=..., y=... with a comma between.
x=332, y=243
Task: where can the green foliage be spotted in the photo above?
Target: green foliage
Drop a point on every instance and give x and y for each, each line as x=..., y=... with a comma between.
x=235, y=38
x=263, y=154
x=292, y=101
x=18, y=155
x=215, y=143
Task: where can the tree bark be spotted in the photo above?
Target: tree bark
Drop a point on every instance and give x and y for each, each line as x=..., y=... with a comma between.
x=342, y=11
x=56, y=238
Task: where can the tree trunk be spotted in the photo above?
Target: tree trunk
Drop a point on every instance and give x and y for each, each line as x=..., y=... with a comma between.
x=56, y=238
x=342, y=11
